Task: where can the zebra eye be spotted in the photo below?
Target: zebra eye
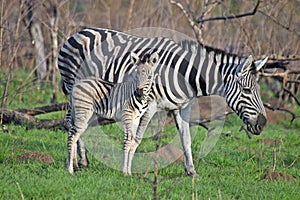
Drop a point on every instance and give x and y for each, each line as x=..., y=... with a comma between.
x=247, y=90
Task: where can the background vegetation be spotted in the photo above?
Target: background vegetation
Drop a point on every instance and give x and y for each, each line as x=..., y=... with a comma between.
x=32, y=160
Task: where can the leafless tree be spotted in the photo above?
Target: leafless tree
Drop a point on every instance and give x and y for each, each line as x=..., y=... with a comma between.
x=28, y=8
x=262, y=28
x=255, y=36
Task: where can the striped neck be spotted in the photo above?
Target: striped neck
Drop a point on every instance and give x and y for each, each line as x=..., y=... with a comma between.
x=212, y=68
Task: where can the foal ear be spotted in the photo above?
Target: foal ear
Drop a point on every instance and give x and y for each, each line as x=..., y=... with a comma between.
x=260, y=63
x=154, y=58
x=134, y=58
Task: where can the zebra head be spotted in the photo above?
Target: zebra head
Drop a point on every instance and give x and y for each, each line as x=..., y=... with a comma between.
x=242, y=95
x=145, y=71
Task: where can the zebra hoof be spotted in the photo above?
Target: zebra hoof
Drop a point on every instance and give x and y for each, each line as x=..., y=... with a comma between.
x=192, y=173
x=195, y=175
x=83, y=163
x=126, y=173
x=76, y=167
x=70, y=170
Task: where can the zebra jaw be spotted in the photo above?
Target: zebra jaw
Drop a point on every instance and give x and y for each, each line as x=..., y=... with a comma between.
x=249, y=129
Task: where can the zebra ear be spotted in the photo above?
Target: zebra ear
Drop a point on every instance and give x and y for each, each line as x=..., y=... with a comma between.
x=154, y=58
x=134, y=58
x=260, y=63
x=245, y=67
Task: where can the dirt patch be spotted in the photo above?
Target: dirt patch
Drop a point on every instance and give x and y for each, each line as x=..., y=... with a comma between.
x=276, y=116
x=206, y=107
x=270, y=142
x=279, y=176
x=39, y=156
x=168, y=153
x=243, y=148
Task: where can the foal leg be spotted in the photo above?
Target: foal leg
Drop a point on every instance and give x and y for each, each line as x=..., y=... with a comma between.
x=83, y=162
x=81, y=117
x=139, y=132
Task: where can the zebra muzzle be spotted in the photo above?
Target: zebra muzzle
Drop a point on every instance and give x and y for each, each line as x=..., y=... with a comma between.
x=259, y=125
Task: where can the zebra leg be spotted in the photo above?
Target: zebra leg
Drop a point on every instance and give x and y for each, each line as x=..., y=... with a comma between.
x=69, y=117
x=83, y=162
x=129, y=128
x=144, y=121
x=81, y=150
x=128, y=137
x=182, y=118
x=81, y=117
x=72, y=160
x=72, y=132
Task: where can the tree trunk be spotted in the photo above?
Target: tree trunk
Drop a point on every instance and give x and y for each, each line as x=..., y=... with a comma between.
x=37, y=38
x=11, y=116
x=54, y=54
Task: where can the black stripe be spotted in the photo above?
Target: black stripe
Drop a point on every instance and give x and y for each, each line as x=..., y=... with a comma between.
x=66, y=58
x=167, y=95
x=172, y=75
x=192, y=79
x=93, y=44
x=78, y=46
x=182, y=72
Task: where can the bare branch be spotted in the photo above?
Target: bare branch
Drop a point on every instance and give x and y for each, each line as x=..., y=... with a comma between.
x=246, y=130
x=294, y=161
x=274, y=156
x=191, y=20
x=285, y=79
x=292, y=94
x=207, y=7
x=294, y=116
x=277, y=22
x=284, y=58
x=253, y=12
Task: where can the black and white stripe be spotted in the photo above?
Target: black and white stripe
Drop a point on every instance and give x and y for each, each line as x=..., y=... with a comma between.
x=125, y=102
x=185, y=71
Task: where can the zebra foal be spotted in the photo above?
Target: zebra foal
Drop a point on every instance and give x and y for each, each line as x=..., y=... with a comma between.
x=125, y=102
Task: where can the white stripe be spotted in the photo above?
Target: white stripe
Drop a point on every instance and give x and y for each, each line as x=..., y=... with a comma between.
x=208, y=71
x=216, y=73
x=188, y=71
x=176, y=72
x=202, y=58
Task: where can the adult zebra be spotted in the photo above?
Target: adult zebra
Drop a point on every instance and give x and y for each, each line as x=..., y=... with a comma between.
x=185, y=71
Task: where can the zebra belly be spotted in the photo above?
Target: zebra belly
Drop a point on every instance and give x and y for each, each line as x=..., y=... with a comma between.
x=165, y=104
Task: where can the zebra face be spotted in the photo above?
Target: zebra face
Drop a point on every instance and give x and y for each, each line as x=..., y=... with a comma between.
x=243, y=96
x=145, y=70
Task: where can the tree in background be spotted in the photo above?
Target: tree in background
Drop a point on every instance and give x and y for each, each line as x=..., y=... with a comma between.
x=267, y=28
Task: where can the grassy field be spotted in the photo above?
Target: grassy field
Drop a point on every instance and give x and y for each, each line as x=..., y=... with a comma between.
x=32, y=161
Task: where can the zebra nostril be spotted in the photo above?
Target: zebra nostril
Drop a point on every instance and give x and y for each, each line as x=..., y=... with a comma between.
x=261, y=121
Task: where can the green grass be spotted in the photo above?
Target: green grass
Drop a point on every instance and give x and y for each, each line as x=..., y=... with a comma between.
x=234, y=169
x=225, y=173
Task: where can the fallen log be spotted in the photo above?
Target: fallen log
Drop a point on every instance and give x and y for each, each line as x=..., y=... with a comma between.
x=19, y=118
x=44, y=109
x=14, y=116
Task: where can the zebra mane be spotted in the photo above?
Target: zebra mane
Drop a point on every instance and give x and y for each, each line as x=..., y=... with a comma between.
x=194, y=46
